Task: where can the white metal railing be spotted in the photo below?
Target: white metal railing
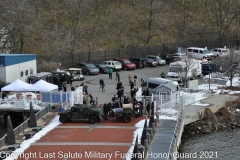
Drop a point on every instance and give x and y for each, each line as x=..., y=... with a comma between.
x=173, y=144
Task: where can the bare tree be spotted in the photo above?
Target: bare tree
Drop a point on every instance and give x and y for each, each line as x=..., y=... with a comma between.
x=224, y=13
x=185, y=69
x=230, y=64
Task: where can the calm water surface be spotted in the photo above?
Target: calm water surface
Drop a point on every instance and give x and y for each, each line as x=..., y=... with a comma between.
x=220, y=145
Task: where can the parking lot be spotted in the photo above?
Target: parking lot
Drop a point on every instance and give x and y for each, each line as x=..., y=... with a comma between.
x=92, y=81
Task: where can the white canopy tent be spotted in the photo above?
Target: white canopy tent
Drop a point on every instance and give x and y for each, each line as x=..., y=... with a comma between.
x=42, y=86
x=17, y=85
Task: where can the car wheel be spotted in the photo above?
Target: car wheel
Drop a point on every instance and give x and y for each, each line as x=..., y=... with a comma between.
x=126, y=118
x=125, y=68
x=87, y=73
x=92, y=119
x=63, y=119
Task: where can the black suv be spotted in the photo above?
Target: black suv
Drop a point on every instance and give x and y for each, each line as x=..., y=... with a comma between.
x=140, y=62
x=58, y=74
x=87, y=68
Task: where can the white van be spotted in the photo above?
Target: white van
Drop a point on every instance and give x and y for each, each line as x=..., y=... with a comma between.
x=154, y=82
x=220, y=52
x=199, y=53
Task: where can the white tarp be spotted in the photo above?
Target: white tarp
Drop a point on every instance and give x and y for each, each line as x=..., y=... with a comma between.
x=17, y=85
x=42, y=86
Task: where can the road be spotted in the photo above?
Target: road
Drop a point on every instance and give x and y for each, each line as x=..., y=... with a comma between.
x=104, y=97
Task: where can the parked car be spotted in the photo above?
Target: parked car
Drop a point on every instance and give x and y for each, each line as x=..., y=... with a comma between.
x=168, y=58
x=179, y=55
x=151, y=63
x=220, y=52
x=88, y=68
x=140, y=62
x=66, y=76
x=102, y=68
x=115, y=65
x=126, y=64
x=78, y=112
x=158, y=59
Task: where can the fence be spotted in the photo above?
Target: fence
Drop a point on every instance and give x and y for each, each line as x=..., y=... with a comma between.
x=24, y=125
x=69, y=60
x=63, y=98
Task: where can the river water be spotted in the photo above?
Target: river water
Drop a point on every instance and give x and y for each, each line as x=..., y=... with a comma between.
x=220, y=145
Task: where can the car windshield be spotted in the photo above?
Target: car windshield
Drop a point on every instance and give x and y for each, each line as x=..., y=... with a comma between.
x=158, y=58
x=118, y=63
x=205, y=51
x=175, y=69
x=90, y=65
x=126, y=61
x=175, y=55
x=102, y=65
x=149, y=60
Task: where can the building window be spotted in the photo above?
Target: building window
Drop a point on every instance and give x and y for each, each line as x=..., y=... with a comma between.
x=164, y=95
x=21, y=74
x=26, y=72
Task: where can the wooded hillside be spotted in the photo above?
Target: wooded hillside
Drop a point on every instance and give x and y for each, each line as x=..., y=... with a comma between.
x=56, y=27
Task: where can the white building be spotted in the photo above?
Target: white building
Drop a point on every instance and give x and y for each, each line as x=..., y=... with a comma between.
x=17, y=66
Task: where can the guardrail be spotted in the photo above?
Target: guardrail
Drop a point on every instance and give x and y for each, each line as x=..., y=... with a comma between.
x=173, y=146
x=19, y=129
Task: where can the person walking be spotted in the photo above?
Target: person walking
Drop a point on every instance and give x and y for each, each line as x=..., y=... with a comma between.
x=130, y=79
x=100, y=84
x=103, y=86
x=110, y=73
x=118, y=76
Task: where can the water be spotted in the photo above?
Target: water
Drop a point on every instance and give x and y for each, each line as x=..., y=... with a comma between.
x=220, y=145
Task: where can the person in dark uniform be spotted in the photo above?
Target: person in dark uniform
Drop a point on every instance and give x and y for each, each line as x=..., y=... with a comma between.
x=105, y=111
x=148, y=108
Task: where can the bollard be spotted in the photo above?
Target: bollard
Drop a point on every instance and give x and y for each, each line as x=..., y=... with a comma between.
x=146, y=143
x=151, y=132
x=158, y=118
x=97, y=101
x=153, y=127
x=148, y=138
x=155, y=121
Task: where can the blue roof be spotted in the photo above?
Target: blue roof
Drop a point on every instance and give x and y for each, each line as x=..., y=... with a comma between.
x=11, y=59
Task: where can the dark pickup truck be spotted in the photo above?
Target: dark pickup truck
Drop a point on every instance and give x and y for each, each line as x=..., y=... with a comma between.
x=79, y=112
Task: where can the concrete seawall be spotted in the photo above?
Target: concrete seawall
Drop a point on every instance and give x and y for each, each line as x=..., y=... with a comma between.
x=216, y=101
